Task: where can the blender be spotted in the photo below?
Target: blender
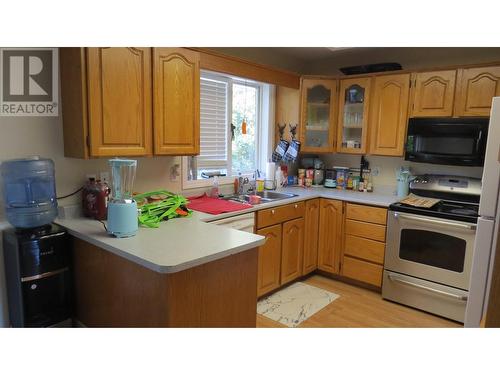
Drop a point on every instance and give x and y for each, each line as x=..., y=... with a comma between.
x=122, y=208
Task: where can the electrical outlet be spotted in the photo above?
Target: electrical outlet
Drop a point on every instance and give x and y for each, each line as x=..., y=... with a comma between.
x=104, y=176
x=88, y=176
x=375, y=171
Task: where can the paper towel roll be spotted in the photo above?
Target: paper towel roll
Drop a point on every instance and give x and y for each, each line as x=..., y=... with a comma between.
x=270, y=170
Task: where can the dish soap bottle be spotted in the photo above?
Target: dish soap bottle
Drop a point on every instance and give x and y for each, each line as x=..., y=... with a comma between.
x=214, y=192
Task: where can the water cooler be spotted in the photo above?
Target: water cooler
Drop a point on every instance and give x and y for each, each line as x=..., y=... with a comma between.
x=36, y=252
x=38, y=278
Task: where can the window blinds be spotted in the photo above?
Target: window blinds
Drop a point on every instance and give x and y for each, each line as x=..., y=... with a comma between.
x=214, y=125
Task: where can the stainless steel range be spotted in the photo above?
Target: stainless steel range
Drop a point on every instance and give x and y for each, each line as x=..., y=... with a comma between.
x=429, y=251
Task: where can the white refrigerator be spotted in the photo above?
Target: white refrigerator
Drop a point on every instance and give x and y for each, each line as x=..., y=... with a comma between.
x=487, y=224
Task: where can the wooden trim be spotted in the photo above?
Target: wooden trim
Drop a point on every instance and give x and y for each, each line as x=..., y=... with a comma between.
x=217, y=62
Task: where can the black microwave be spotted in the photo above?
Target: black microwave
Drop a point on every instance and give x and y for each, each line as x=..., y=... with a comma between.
x=449, y=141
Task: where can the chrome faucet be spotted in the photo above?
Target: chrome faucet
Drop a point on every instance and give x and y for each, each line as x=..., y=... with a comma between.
x=245, y=186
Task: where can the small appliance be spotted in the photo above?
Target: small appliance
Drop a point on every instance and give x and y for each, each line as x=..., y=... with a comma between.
x=36, y=252
x=318, y=176
x=330, y=178
x=38, y=277
x=429, y=251
x=448, y=141
x=122, y=208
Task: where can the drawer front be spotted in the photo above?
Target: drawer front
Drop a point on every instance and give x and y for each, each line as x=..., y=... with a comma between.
x=376, y=215
x=365, y=230
x=364, y=248
x=363, y=271
x=276, y=215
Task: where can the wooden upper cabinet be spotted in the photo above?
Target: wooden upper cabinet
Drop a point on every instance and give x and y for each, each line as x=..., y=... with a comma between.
x=477, y=87
x=354, y=104
x=176, y=80
x=119, y=101
x=433, y=93
x=389, y=114
x=268, y=276
x=292, y=250
x=311, y=232
x=318, y=115
x=330, y=235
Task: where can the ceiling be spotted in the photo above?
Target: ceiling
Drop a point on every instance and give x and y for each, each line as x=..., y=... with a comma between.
x=328, y=60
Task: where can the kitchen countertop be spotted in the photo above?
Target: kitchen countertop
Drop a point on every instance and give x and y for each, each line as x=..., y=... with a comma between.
x=383, y=196
x=184, y=243
x=175, y=246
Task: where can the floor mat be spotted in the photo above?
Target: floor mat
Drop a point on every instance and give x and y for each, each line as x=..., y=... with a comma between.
x=294, y=304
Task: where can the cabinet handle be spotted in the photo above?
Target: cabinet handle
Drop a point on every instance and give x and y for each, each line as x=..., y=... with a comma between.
x=296, y=206
x=272, y=212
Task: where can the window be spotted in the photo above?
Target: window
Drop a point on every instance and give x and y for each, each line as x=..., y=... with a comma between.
x=226, y=149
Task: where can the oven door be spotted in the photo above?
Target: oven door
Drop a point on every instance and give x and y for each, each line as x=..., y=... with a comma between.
x=430, y=248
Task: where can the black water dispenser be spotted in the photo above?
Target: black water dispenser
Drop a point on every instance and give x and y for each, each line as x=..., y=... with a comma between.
x=37, y=269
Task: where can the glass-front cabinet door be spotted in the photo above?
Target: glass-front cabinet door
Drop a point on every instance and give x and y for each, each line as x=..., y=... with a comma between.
x=353, y=115
x=318, y=115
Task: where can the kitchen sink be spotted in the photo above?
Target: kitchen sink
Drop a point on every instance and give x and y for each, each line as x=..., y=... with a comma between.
x=274, y=195
x=266, y=197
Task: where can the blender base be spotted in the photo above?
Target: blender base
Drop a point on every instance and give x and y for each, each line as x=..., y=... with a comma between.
x=122, y=219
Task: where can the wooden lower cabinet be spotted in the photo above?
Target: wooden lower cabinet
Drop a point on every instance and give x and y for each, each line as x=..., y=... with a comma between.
x=366, y=272
x=269, y=260
x=322, y=237
x=311, y=232
x=292, y=250
x=330, y=235
x=364, y=243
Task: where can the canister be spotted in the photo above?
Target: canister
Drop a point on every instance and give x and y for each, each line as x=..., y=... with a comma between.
x=341, y=177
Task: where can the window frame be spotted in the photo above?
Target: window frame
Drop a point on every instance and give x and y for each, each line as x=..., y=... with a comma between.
x=259, y=132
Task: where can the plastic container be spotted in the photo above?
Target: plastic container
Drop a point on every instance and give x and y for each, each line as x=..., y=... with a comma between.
x=95, y=197
x=214, y=192
x=29, y=192
x=402, y=188
x=342, y=174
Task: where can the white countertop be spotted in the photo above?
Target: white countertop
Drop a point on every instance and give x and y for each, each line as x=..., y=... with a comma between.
x=176, y=245
x=383, y=196
x=183, y=243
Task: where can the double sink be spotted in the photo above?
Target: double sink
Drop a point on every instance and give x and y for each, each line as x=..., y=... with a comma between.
x=266, y=196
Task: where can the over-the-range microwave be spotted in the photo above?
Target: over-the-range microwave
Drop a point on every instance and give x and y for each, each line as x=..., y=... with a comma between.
x=449, y=141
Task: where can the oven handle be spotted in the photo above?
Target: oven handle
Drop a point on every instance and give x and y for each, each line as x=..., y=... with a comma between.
x=434, y=221
x=401, y=281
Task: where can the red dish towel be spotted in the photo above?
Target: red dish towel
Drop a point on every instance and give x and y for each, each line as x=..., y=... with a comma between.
x=214, y=206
